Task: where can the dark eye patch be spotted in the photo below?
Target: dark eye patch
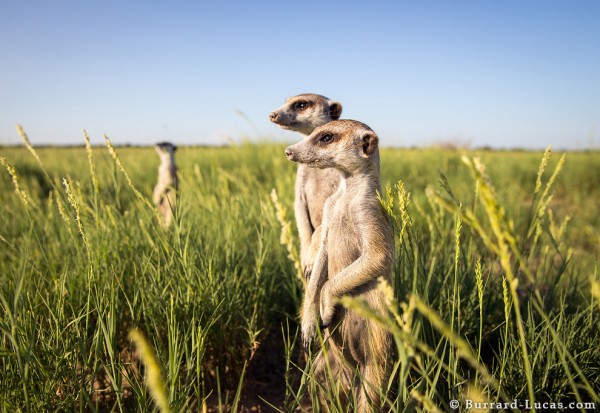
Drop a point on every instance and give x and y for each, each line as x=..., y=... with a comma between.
x=326, y=138
x=301, y=105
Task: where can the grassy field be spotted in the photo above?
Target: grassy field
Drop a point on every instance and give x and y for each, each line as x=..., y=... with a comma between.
x=495, y=294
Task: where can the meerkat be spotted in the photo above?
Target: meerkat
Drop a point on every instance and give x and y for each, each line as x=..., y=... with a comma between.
x=303, y=113
x=164, y=195
x=356, y=249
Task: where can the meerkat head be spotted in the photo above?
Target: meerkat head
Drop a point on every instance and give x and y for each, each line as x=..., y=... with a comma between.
x=165, y=149
x=303, y=113
x=347, y=145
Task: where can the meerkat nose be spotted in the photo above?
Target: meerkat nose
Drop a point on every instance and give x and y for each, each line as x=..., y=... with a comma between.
x=289, y=153
x=273, y=116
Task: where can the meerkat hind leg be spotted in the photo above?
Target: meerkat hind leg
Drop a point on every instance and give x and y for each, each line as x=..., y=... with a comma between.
x=335, y=377
x=375, y=370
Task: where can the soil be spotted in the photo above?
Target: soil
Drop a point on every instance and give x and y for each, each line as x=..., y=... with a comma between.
x=264, y=386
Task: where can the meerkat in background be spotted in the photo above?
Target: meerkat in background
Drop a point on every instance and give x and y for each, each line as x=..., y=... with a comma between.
x=356, y=249
x=303, y=113
x=164, y=195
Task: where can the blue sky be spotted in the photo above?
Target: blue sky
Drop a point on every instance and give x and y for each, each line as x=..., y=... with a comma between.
x=493, y=73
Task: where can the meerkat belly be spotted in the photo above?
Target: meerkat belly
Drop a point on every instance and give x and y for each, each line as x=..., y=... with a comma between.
x=319, y=185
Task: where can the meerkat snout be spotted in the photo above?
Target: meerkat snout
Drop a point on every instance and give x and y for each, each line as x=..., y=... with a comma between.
x=289, y=153
x=273, y=117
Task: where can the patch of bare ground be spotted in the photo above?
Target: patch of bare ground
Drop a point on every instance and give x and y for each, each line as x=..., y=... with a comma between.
x=264, y=385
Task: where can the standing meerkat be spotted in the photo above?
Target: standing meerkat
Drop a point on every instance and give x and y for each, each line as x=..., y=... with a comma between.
x=356, y=248
x=303, y=113
x=164, y=195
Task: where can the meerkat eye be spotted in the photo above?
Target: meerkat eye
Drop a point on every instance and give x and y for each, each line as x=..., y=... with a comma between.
x=303, y=104
x=328, y=137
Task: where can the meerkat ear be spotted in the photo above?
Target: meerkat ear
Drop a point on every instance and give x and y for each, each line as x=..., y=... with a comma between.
x=335, y=110
x=369, y=142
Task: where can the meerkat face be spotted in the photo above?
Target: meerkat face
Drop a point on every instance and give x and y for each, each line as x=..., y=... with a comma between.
x=165, y=148
x=347, y=145
x=303, y=113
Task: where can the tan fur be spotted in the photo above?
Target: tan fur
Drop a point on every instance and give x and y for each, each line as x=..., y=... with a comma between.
x=164, y=195
x=357, y=247
x=303, y=113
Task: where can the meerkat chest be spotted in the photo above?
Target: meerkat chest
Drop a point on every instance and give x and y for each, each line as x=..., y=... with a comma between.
x=318, y=185
x=166, y=174
x=343, y=239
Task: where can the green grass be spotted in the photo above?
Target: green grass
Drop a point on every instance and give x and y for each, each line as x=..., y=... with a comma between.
x=84, y=261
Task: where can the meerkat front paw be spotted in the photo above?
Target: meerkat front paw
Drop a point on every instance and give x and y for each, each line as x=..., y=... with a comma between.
x=309, y=329
x=310, y=317
x=327, y=305
x=307, y=262
x=307, y=268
